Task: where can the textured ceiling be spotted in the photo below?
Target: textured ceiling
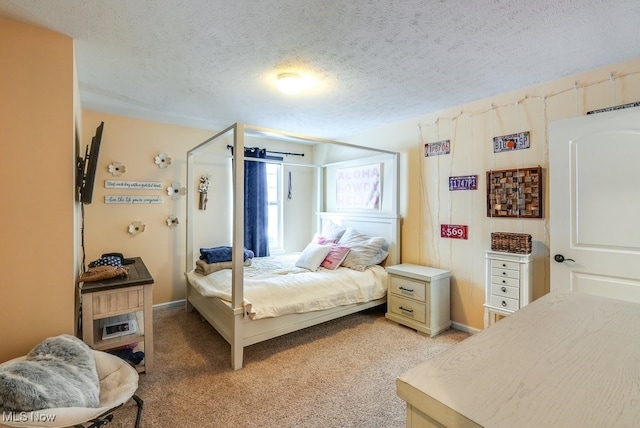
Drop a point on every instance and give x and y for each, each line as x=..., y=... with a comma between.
x=211, y=63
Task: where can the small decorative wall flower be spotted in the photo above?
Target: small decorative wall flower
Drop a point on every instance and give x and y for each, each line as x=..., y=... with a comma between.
x=117, y=169
x=204, y=183
x=203, y=188
x=172, y=221
x=162, y=160
x=175, y=191
x=136, y=227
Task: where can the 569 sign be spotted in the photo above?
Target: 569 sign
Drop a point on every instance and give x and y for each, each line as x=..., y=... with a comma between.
x=454, y=231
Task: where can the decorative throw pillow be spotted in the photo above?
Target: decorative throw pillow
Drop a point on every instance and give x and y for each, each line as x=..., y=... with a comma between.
x=312, y=256
x=335, y=257
x=330, y=230
x=59, y=372
x=380, y=255
x=363, y=248
x=323, y=240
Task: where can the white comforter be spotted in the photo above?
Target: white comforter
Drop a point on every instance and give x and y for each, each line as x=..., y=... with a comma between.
x=273, y=286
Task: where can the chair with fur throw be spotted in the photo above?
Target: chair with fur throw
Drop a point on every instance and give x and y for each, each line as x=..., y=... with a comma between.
x=63, y=383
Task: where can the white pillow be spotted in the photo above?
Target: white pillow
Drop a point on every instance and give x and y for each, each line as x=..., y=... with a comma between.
x=379, y=257
x=363, y=248
x=330, y=230
x=312, y=256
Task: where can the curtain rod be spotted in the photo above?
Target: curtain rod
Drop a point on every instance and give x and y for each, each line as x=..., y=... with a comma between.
x=278, y=153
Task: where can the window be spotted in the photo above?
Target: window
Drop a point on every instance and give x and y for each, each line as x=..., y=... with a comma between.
x=274, y=191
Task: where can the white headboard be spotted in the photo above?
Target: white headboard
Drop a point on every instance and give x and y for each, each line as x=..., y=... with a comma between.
x=387, y=227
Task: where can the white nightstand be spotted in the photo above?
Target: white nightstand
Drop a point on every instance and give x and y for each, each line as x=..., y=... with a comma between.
x=508, y=284
x=419, y=297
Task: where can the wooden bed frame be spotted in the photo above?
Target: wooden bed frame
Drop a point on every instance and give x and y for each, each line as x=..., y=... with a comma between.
x=240, y=331
x=228, y=318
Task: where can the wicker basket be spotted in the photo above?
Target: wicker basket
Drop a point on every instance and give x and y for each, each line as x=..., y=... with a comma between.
x=519, y=243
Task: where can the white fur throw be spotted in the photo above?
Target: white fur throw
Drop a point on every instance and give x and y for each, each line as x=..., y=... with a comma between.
x=59, y=372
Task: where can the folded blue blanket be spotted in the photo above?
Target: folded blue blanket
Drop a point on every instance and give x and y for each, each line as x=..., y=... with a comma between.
x=221, y=254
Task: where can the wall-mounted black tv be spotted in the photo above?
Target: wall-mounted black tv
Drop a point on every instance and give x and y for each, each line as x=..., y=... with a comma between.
x=87, y=166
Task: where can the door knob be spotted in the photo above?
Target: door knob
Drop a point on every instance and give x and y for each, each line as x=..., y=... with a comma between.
x=560, y=258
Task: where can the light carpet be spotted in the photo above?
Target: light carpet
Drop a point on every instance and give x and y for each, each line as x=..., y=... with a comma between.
x=338, y=374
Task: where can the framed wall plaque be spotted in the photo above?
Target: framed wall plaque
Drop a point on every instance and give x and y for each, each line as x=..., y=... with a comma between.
x=463, y=182
x=515, y=193
x=438, y=148
x=359, y=187
x=454, y=231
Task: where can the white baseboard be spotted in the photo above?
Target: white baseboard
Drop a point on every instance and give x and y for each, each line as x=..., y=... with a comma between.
x=168, y=305
x=464, y=328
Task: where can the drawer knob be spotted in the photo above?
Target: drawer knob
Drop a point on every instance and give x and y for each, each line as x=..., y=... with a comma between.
x=504, y=289
x=504, y=304
x=504, y=265
x=504, y=273
x=504, y=282
x=406, y=290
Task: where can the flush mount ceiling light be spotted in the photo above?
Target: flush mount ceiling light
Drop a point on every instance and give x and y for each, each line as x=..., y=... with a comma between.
x=289, y=83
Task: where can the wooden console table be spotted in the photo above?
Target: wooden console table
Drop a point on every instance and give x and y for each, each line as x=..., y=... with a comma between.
x=128, y=297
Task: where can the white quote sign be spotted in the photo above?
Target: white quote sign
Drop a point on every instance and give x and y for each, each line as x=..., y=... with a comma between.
x=132, y=199
x=139, y=185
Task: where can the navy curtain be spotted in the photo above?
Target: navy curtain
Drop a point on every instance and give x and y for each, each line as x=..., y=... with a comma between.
x=256, y=201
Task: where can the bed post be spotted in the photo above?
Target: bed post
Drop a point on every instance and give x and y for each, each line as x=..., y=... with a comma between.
x=237, y=347
x=237, y=257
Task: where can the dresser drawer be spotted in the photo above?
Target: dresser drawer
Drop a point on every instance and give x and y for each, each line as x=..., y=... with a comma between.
x=407, y=308
x=505, y=303
x=501, y=264
x=503, y=280
x=114, y=302
x=508, y=283
x=408, y=288
x=505, y=291
x=508, y=273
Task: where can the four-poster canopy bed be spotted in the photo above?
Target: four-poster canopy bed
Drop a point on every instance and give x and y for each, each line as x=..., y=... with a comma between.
x=233, y=310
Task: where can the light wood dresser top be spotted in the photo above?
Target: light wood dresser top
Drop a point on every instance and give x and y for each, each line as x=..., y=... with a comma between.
x=566, y=360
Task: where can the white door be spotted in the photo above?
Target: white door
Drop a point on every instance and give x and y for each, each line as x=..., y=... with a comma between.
x=594, y=203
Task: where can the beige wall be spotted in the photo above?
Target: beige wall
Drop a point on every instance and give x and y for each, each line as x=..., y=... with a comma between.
x=37, y=174
x=37, y=164
x=426, y=201
x=135, y=143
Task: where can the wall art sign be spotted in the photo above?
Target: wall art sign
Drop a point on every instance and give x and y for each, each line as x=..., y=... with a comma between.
x=507, y=143
x=438, y=148
x=463, y=182
x=359, y=187
x=515, y=193
x=454, y=231
x=131, y=199
x=138, y=185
